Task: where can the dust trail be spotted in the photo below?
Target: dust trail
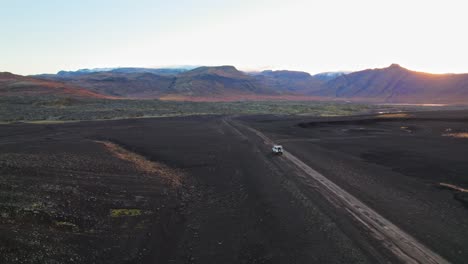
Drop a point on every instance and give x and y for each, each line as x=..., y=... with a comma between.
x=170, y=175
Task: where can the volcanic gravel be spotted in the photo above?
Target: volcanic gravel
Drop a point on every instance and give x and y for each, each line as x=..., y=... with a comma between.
x=65, y=197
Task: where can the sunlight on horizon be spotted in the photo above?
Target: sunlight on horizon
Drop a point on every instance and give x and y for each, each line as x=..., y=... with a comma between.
x=312, y=36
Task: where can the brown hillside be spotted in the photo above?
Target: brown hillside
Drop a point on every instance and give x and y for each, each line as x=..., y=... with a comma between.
x=17, y=85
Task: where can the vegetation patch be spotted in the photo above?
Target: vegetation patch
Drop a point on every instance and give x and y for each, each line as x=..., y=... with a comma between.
x=124, y=212
x=24, y=109
x=396, y=115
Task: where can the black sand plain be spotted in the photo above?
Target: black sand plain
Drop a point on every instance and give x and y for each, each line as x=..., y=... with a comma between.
x=202, y=190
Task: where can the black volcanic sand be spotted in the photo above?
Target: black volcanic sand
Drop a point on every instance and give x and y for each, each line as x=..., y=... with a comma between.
x=58, y=188
x=393, y=164
x=59, y=191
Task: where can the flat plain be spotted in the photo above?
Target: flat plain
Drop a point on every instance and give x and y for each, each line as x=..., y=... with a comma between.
x=206, y=189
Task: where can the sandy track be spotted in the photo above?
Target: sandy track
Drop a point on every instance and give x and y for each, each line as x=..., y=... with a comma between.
x=401, y=244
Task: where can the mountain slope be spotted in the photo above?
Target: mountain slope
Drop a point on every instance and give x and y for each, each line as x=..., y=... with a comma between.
x=396, y=84
x=157, y=71
x=217, y=81
x=17, y=85
x=295, y=82
x=328, y=76
x=127, y=85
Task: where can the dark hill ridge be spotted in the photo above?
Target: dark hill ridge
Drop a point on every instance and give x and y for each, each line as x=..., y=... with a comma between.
x=224, y=71
x=159, y=71
x=126, y=85
x=296, y=82
x=286, y=74
x=396, y=84
x=218, y=81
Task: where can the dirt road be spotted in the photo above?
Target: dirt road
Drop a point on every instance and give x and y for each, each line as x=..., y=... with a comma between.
x=404, y=246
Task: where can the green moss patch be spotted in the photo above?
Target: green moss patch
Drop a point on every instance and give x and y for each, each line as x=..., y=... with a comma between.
x=124, y=212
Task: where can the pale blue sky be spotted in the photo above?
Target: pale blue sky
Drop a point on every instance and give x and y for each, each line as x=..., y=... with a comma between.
x=45, y=36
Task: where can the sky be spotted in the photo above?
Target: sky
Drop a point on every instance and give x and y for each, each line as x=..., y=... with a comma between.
x=314, y=36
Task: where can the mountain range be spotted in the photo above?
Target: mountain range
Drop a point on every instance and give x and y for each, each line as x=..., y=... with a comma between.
x=396, y=84
x=393, y=84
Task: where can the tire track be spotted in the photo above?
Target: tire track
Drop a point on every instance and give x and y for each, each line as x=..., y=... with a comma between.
x=401, y=244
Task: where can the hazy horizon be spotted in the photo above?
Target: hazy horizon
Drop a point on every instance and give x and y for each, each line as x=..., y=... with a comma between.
x=248, y=70
x=312, y=36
